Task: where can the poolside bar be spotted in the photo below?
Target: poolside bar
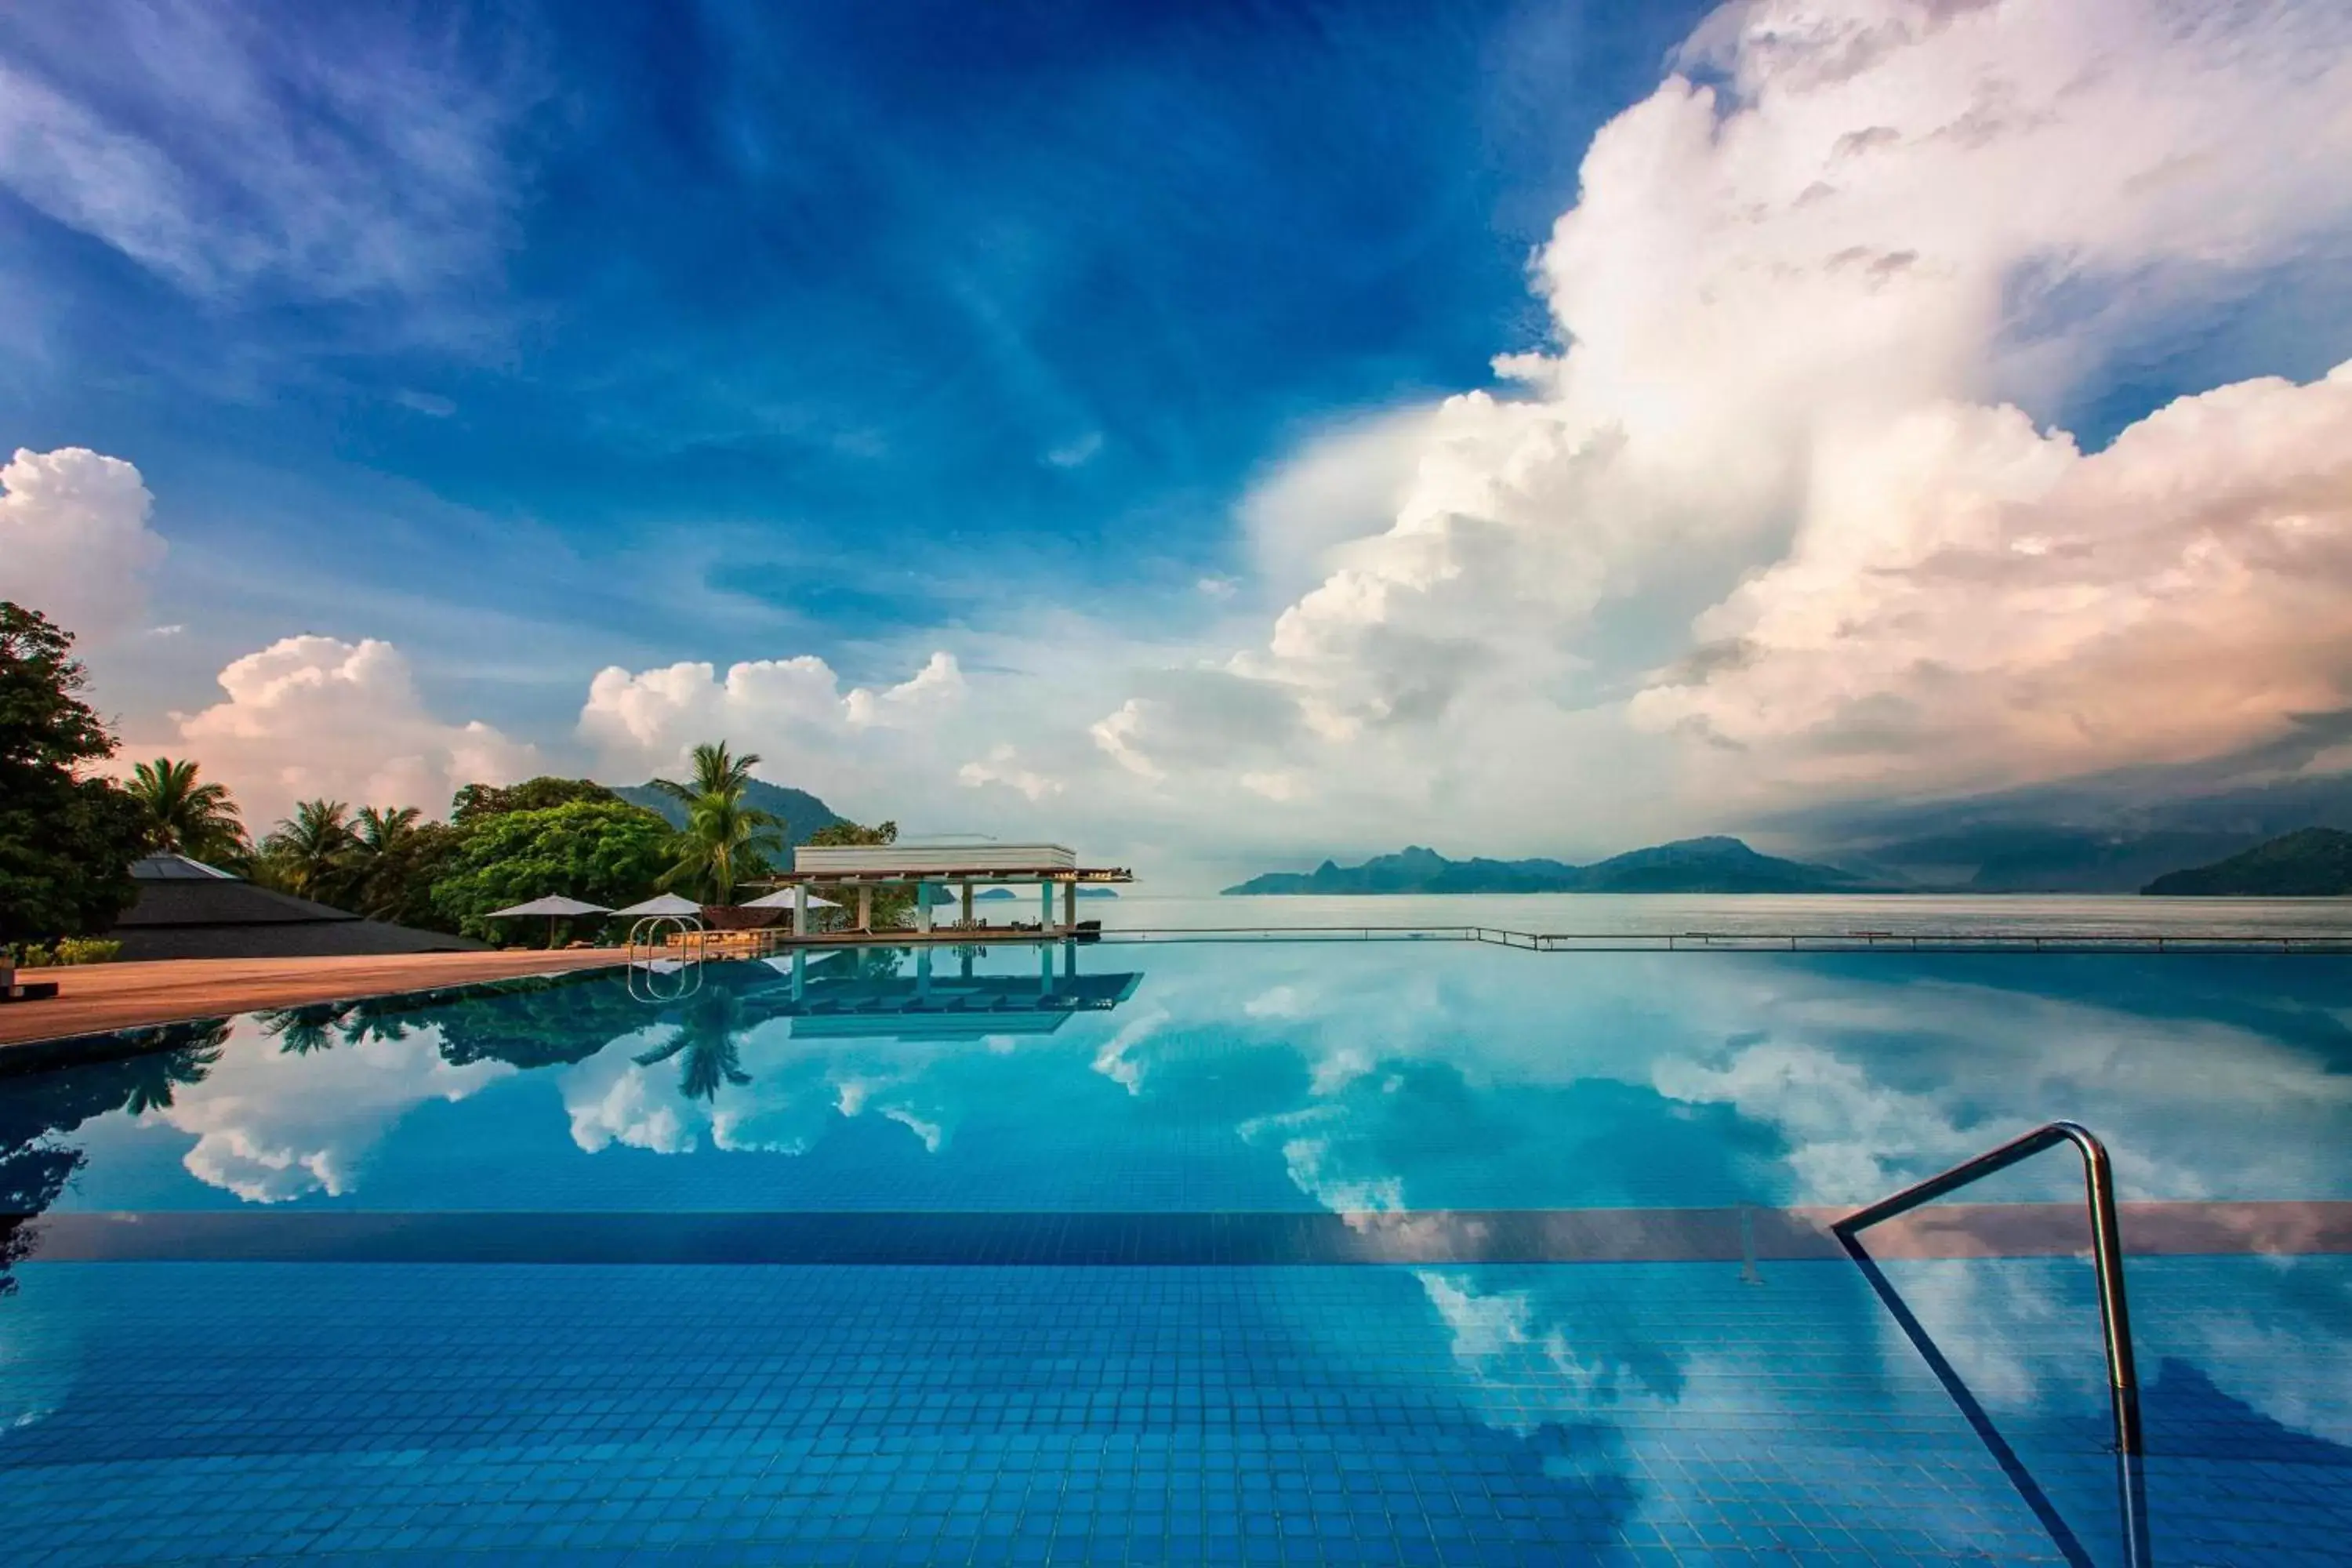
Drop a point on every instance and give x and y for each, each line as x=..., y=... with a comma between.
x=931, y=870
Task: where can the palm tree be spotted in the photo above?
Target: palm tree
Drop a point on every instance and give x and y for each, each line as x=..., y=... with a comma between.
x=715, y=773
x=725, y=842
x=382, y=831
x=381, y=838
x=312, y=852
x=186, y=816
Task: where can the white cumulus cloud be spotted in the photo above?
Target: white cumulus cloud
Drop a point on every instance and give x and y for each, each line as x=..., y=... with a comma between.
x=313, y=716
x=1973, y=602
x=783, y=709
x=1003, y=767
x=74, y=538
x=1805, y=288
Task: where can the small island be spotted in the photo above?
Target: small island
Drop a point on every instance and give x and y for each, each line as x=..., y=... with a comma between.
x=2312, y=863
x=1710, y=865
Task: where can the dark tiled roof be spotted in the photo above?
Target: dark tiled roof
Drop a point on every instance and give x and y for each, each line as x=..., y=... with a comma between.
x=318, y=939
x=187, y=909
x=176, y=903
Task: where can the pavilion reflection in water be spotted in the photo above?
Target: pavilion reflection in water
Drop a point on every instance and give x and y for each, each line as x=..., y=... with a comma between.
x=932, y=994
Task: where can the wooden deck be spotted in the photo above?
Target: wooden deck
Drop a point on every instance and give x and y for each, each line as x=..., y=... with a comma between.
x=100, y=997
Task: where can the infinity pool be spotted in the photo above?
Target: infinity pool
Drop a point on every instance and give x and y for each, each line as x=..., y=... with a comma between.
x=1281, y=1253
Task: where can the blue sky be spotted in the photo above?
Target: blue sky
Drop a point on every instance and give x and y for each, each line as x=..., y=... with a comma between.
x=813, y=322
x=1209, y=427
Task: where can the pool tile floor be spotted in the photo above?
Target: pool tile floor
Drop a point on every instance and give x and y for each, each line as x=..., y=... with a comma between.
x=1492, y=1414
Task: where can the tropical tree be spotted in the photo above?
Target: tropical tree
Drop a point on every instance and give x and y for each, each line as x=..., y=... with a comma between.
x=65, y=841
x=479, y=802
x=725, y=842
x=314, y=852
x=396, y=860
x=186, y=815
x=381, y=829
x=604, y=852
x=717, y=771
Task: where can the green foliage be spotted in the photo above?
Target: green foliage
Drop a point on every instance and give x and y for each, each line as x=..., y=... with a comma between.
x=186, y=815
x=725, y=842
x=396, y=867
x=850, y=833
x=66, y=842
x=314, y=853
x=606, y=852
x=66, y=950
x=480, y=802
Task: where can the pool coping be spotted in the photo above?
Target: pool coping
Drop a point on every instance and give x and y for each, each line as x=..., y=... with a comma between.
x=1439, y=1238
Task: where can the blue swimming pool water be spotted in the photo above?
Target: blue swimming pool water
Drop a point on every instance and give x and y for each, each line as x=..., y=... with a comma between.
x=1024, y=1350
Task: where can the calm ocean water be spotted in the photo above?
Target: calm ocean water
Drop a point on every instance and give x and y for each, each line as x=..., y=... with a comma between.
x=1800, y=914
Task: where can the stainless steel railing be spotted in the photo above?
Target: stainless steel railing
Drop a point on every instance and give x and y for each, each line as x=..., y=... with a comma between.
x=2106, y=1245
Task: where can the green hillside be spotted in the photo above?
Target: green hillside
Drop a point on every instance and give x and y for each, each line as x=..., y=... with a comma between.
x=802, y=813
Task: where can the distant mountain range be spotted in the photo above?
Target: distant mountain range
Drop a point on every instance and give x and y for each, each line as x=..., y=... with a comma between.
x=1714, y=865
x=2315, y=863
x=2106, y=835
x=803, y=813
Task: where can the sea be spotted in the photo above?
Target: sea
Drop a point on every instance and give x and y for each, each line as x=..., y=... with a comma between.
x=1744, y=914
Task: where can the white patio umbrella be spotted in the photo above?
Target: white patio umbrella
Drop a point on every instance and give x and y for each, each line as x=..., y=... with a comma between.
x=555, y=907
x=782, y=899
x=662, y=904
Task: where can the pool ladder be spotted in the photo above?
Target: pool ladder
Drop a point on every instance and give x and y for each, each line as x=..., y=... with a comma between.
x=647, y=972
x=2115, y=1315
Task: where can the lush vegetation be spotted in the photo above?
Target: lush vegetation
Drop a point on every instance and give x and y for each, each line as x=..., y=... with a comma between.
x=67, y=840
x=186, y=815
x=606, y=852
x=726, y=841
x=66, y=950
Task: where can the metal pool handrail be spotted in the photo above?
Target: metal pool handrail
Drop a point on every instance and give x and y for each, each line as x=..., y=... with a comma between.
x=2106, y=1245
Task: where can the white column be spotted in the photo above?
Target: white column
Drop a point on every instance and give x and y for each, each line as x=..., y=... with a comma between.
x=865, y=906
x=800, y=909
x=1044, y=906
x=923, y=908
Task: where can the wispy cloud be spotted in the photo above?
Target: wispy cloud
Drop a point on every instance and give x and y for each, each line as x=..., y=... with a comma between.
x=226, y=155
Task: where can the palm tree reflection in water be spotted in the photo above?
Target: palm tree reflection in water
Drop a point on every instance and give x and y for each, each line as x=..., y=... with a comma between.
x=299, y=1031
x=39, y=1111
x=705, y=1044
x=153, y=1077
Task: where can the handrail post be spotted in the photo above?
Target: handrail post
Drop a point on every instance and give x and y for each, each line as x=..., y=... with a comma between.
x=2106, y=1247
